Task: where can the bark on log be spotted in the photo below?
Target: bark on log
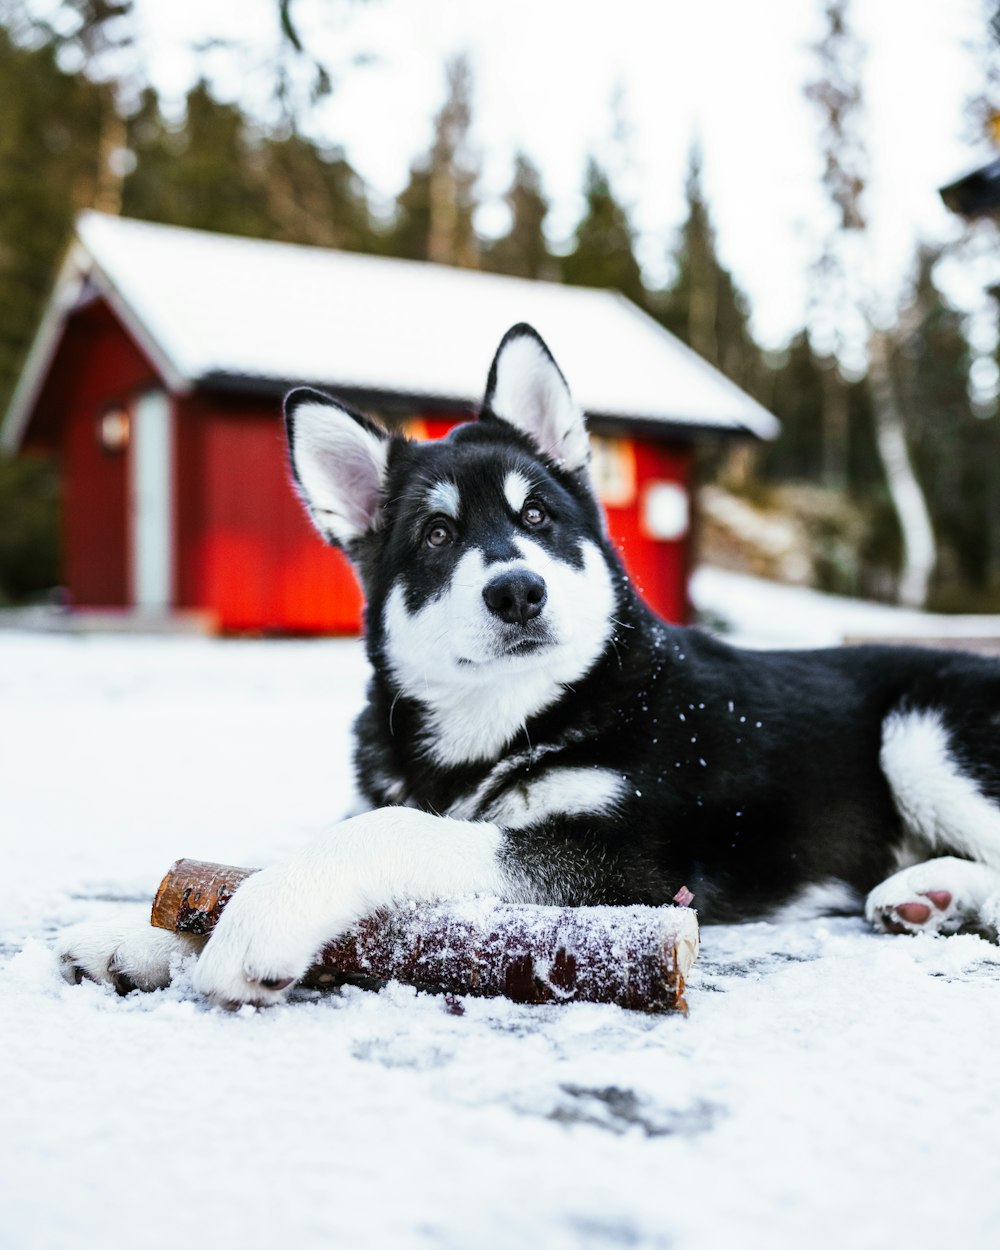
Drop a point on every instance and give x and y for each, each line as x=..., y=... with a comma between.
x=636, y=957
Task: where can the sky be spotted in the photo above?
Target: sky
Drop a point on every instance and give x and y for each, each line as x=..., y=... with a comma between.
x=636, y=84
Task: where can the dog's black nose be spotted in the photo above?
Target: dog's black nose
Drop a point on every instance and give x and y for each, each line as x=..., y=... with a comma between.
x=516, y=597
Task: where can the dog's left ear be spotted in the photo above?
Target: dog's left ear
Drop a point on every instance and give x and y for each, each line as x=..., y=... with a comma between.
x=527, y=390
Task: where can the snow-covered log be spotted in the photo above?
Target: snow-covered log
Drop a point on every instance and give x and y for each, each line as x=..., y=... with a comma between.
x=637, y=957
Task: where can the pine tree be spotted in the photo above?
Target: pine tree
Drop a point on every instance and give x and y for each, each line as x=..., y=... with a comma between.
x=53, y=149
x=197, y=174
x=524, y=249
x=215, y=171
x=603, y=252
x=796, y=400
x=313, y=196
x=434, y=212
x=29, y=542
x=50, y=127
x=703, y=305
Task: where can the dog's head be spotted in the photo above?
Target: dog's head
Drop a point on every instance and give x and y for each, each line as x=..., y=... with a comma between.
x=482, y=553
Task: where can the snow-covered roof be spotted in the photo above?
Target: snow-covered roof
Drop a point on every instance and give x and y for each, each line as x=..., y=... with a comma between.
x=212, y=307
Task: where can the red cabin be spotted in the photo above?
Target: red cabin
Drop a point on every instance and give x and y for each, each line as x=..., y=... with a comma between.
x=156, y=379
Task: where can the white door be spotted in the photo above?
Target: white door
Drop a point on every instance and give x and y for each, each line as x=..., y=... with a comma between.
x=152, y=511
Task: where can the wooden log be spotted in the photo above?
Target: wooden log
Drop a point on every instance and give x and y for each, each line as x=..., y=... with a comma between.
x=637, y=957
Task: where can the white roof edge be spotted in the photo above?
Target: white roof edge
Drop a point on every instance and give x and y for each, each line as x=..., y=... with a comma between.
x=173, y=377
x=78, y=265
x=171, y=373
x=763, y=424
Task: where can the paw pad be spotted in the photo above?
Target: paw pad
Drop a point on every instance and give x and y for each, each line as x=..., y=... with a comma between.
x=913, y=913
x=940, y=898
x=916, y=914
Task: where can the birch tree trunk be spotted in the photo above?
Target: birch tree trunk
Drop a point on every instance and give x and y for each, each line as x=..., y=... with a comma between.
x=919, y=546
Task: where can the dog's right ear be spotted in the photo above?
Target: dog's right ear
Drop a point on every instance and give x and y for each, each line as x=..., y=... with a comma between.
x=526, y=389
x=339, y=461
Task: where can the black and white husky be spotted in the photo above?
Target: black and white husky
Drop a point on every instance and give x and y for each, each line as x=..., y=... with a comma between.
x=534, y=732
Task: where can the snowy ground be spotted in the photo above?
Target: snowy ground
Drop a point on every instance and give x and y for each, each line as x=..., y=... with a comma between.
x=830, y=1088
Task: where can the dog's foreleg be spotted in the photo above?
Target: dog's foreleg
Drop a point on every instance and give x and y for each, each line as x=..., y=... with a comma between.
x=280, y=918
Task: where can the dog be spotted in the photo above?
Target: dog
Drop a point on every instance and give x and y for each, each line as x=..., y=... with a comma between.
x=534, y=732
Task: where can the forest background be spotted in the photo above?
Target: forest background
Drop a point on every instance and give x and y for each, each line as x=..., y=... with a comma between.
x=887, y=470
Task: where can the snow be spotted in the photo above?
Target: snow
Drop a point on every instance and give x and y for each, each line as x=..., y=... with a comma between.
x=757, y=613
x=829, y=1088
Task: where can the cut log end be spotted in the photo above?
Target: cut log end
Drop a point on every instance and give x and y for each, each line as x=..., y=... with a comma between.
x=193, y=894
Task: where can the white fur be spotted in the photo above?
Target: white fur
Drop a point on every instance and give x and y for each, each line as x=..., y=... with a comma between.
x=824, y=898
x=448, y=654
x=937, y=801
x=279, y=918
x=101, y=950
x=531, y=394
x=558, y=792
x=974, y=890
x=341, y=468
x=516, y=489
x=443, y=497
x=475, y=805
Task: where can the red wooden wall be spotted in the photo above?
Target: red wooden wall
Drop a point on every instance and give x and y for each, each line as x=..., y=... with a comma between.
x=247, y=551
x=97, y=366
x=660, y=569
x=244, y=551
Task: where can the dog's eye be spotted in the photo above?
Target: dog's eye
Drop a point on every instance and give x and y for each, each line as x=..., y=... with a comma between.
x=437, y=534
x=533, y=515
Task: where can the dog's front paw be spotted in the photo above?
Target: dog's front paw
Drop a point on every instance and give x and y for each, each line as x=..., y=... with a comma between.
x=121, y=951
x=264, y=942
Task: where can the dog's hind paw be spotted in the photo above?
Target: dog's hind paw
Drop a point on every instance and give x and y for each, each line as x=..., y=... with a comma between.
x=940, y=896
x=932, y=911
x=123, y=952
